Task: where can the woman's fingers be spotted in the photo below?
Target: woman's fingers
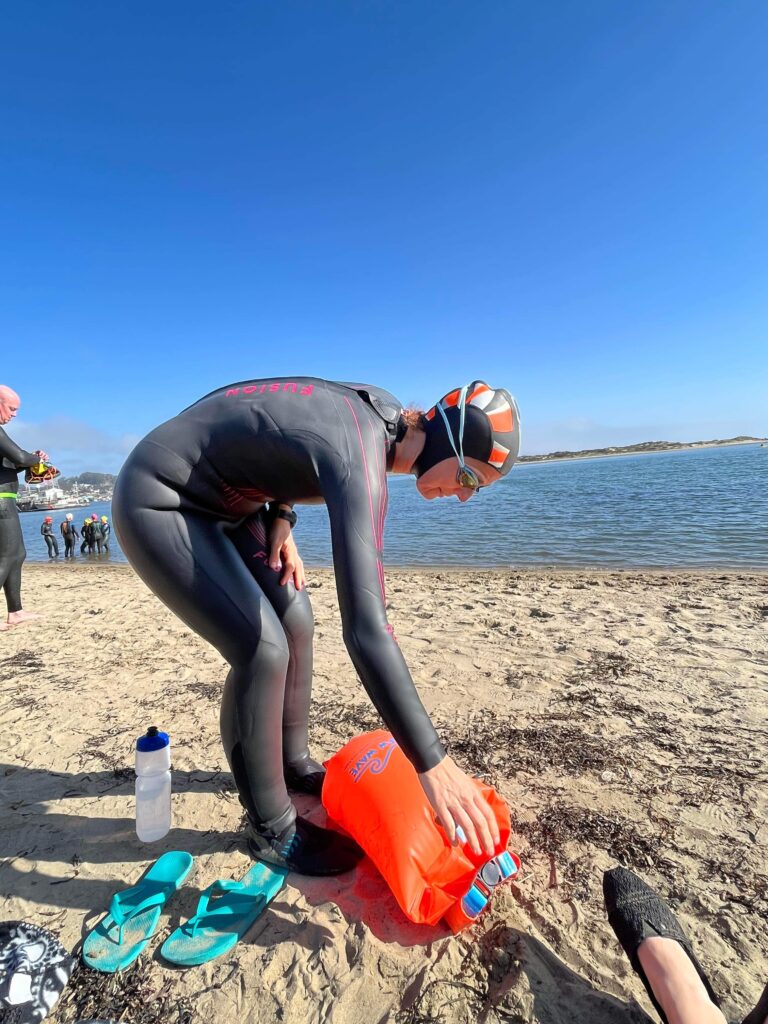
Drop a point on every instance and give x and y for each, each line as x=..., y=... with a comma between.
x=482, y=828
x=299, y=577
x=461, y=817
x=490, y=818
x=457, y=802
x=446, y=822
x=288, y=567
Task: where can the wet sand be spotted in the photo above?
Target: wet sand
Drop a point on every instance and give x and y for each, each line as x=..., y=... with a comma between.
x=622, y=715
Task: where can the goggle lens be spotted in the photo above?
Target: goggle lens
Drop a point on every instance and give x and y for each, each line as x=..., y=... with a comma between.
x=467, y=477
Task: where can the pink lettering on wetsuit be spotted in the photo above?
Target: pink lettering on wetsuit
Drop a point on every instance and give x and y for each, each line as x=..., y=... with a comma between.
x=261, y=389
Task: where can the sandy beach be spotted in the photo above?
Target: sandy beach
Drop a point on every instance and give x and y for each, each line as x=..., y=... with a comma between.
x=622, y=715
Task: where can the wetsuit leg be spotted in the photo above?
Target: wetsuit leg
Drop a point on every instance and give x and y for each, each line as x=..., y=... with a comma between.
x=195, y=569
x=12, y=553
x=190, y=563
x=294, y=611
x=49, y=544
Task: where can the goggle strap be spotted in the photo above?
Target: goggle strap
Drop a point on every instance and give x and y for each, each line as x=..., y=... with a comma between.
x=462, y=406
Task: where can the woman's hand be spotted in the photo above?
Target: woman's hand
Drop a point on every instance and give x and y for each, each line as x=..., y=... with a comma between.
x=457, y=802
x=284, y=554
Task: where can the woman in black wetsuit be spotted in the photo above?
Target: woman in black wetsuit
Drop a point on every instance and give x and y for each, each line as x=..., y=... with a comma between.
x=203, y=510
x=70, y=535
x=49, y=537
x=12, y=551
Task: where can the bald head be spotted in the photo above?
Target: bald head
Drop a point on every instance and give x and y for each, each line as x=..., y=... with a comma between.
x=9, y=404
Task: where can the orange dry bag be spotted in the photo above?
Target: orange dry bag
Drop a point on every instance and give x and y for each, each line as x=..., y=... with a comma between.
x=372, y=791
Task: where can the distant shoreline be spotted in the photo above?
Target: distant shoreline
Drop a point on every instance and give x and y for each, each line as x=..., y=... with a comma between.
x=646, y=448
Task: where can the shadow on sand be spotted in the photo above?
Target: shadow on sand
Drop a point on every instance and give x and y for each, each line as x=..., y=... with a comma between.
x=37, y=828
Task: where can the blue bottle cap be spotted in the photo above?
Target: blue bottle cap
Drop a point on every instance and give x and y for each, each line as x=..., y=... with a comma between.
x=153, y=740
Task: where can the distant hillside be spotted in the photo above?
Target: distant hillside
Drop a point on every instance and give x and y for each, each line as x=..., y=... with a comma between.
x=107, y=480
x=100, y=480
x=637, y=449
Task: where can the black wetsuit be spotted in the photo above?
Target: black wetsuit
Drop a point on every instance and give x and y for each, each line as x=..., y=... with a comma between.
x=189, y=512
x=85, y=533
x=96, y=536
x=12, y=550
x=50, y=539
x=70, y=535
x=106, y=529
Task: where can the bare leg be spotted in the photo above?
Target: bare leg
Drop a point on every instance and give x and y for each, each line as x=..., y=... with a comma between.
x=676, y=984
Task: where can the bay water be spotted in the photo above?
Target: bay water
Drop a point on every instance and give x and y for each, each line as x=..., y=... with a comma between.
x=706, y=507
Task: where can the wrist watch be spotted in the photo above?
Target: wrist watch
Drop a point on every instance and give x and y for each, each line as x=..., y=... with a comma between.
x=288, y=515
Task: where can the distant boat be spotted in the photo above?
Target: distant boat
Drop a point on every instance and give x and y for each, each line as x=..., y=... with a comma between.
x=52, y=506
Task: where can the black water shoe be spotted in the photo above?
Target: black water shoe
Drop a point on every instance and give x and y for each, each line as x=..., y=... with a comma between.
x=636, y=913
x=760, y=1013
x=306, y=849
x=305, y=776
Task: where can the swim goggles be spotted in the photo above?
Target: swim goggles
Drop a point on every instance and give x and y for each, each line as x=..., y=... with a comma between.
x=466, y=476
x=495, y=871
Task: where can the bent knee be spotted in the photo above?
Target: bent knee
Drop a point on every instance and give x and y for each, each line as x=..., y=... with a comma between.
x=299, y=625
x=264, y=655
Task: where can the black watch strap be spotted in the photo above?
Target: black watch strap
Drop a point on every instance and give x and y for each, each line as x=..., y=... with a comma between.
x=288, y=515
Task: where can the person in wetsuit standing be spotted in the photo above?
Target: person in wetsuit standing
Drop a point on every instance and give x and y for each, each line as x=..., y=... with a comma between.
x=203, y=509
x=96, y=535
x=12, y=551
x=70, y=535
x=106, y=529
x=49, y=537
x=85, y=533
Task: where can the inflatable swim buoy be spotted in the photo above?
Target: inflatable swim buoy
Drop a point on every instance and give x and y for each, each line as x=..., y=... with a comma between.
x=373, y=792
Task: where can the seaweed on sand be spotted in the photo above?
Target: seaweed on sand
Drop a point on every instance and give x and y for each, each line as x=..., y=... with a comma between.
x=137, y=995
x=25, y=660
x=492, y=746
x=345, y=719
x=559, y=824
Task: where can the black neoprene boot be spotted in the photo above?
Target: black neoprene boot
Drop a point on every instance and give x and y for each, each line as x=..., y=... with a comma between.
x=636, y=912
x=305, y=776
x=760, y=1013
x=306, y=849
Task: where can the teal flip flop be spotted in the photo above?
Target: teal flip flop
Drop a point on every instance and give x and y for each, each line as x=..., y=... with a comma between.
x=124, y=931
x=220, y=923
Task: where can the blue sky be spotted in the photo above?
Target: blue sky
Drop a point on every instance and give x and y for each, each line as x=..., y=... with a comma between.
x=565, y=199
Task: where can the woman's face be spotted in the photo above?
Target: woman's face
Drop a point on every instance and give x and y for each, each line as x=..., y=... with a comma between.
x=440, y=481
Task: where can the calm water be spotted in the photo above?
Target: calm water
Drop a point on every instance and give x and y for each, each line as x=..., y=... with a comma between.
x=698, y=508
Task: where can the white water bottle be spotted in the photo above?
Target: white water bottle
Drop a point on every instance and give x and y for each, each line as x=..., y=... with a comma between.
x=153, y=785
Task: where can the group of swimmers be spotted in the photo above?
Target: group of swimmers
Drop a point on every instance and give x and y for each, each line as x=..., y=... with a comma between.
x=93, y=534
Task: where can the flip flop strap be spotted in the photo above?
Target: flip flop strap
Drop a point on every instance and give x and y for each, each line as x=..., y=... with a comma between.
x=217, y=888
x=121, y=914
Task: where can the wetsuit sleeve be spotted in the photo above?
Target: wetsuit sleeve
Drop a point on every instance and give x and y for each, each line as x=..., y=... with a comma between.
x=15, y=455
x=356, y=507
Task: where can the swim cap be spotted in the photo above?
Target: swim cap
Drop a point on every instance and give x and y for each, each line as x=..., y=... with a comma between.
x=69, y=516
x=104, y=519
x=491, y=428
x=94, y=516
x=49, y=519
